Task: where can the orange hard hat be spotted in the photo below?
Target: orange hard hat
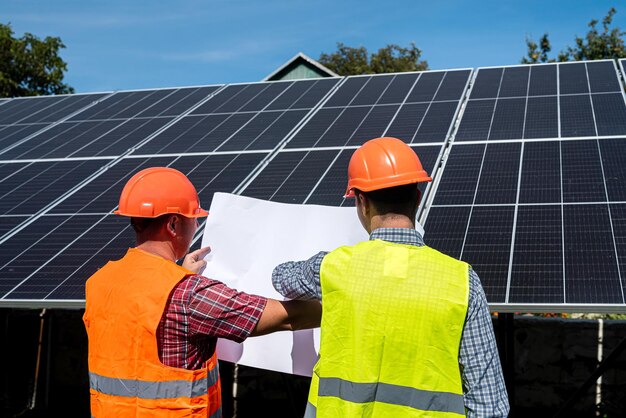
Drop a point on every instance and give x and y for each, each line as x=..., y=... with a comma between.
x=156, y=191
x=384, y=162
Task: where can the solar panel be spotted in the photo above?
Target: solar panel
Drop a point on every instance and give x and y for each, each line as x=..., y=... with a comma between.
x=242, y=117
x=22, y=117
x=527, y=164
x=111, y=126
x=531, y=187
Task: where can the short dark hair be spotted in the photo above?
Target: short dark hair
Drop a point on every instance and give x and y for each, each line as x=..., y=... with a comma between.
x=143, y=224
x=400, y=199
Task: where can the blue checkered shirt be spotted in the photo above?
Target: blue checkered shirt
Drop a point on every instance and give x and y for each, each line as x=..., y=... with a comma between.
x=484, y=392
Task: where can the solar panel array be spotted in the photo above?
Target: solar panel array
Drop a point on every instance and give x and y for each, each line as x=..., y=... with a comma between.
x=532, y=187
x=519, y=157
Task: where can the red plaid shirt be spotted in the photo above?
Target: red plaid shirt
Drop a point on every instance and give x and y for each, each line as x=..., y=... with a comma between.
x=198, y=312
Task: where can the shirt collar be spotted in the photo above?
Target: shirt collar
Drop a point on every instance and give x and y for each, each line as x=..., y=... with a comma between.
x=398, y=235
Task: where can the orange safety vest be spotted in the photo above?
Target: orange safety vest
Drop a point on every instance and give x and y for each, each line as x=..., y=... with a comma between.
x=125, y=301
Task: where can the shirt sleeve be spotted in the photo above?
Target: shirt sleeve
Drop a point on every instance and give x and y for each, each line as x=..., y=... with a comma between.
x=220, y=311
x=484, y=391
x=299, y=279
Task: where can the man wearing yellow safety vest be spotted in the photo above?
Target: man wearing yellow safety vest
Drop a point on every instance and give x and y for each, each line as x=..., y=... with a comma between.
x=406, y=330
x=153, y=324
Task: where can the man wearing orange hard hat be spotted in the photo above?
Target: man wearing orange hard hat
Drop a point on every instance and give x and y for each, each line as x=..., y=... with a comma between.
x=153, y=325
x=405, y=329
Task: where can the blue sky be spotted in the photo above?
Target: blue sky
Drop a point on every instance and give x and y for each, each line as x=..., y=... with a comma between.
x=129, y=44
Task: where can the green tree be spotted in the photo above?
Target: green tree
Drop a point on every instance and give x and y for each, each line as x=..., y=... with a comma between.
x=30, y=66
x=608, y=43
x=390, y=59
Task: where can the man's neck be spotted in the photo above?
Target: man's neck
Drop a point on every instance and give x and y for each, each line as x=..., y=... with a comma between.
x=158, y=248
x=390, y=221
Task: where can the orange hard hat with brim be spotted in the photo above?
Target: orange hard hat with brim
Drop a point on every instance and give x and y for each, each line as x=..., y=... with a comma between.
x=157, y=191
x=381, y=163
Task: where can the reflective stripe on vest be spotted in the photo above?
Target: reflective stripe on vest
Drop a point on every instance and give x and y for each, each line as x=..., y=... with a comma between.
x=390, y=334
x=393, y=394
x=152, y=390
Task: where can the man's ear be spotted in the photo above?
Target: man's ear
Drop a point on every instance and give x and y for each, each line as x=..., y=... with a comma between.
x=172, y=225
x=363, y=203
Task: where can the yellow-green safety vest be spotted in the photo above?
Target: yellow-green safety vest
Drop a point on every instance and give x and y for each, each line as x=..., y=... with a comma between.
x=391, y=329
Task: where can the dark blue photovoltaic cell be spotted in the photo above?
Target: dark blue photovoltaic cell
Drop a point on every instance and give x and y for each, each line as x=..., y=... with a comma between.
x=63, y=109
x=542, y=80
x=576, y=116
x=487, y=83
x=445, y=229
x=508, y=119
x=263, y=99
x=315, y=94
x=406, y=122
x=476, y=121
x=590, y=263
x=573, y=78
x=453, y=85
x=372, y=90
x=436, y=123
x=618, y=218
x=88, y=139
x=426, y=87
x=7, y=223
x=603, y=76
x=275, y=133
x=343, y=127
x=542, y=117
x=220, y=98
x=304, y=176
x=537, y=267
x=583, y=180
x=303, y=94
x=499, y=174
x=514, y=82
x=24, y=253
x=178, y=102
x=200, y=139
x=374, y=124
x=317, y=126
x=614, y=165
x=44, y=109
x=50, y=261
x=183, y=135
x=487, y=248
x=273, y=176
x=39, y=184
x=346, y=92
x=332, y=187
x=397, y=89
x=460, y=175
x=12, y=134
x=238, y=101
x=250, y=131
x=541, y=173
x=117, y=104
x=610, y=113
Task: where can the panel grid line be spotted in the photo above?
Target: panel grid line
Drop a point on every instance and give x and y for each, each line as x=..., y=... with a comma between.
x=519, y=187
x=608, y=205
x=482, y=162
